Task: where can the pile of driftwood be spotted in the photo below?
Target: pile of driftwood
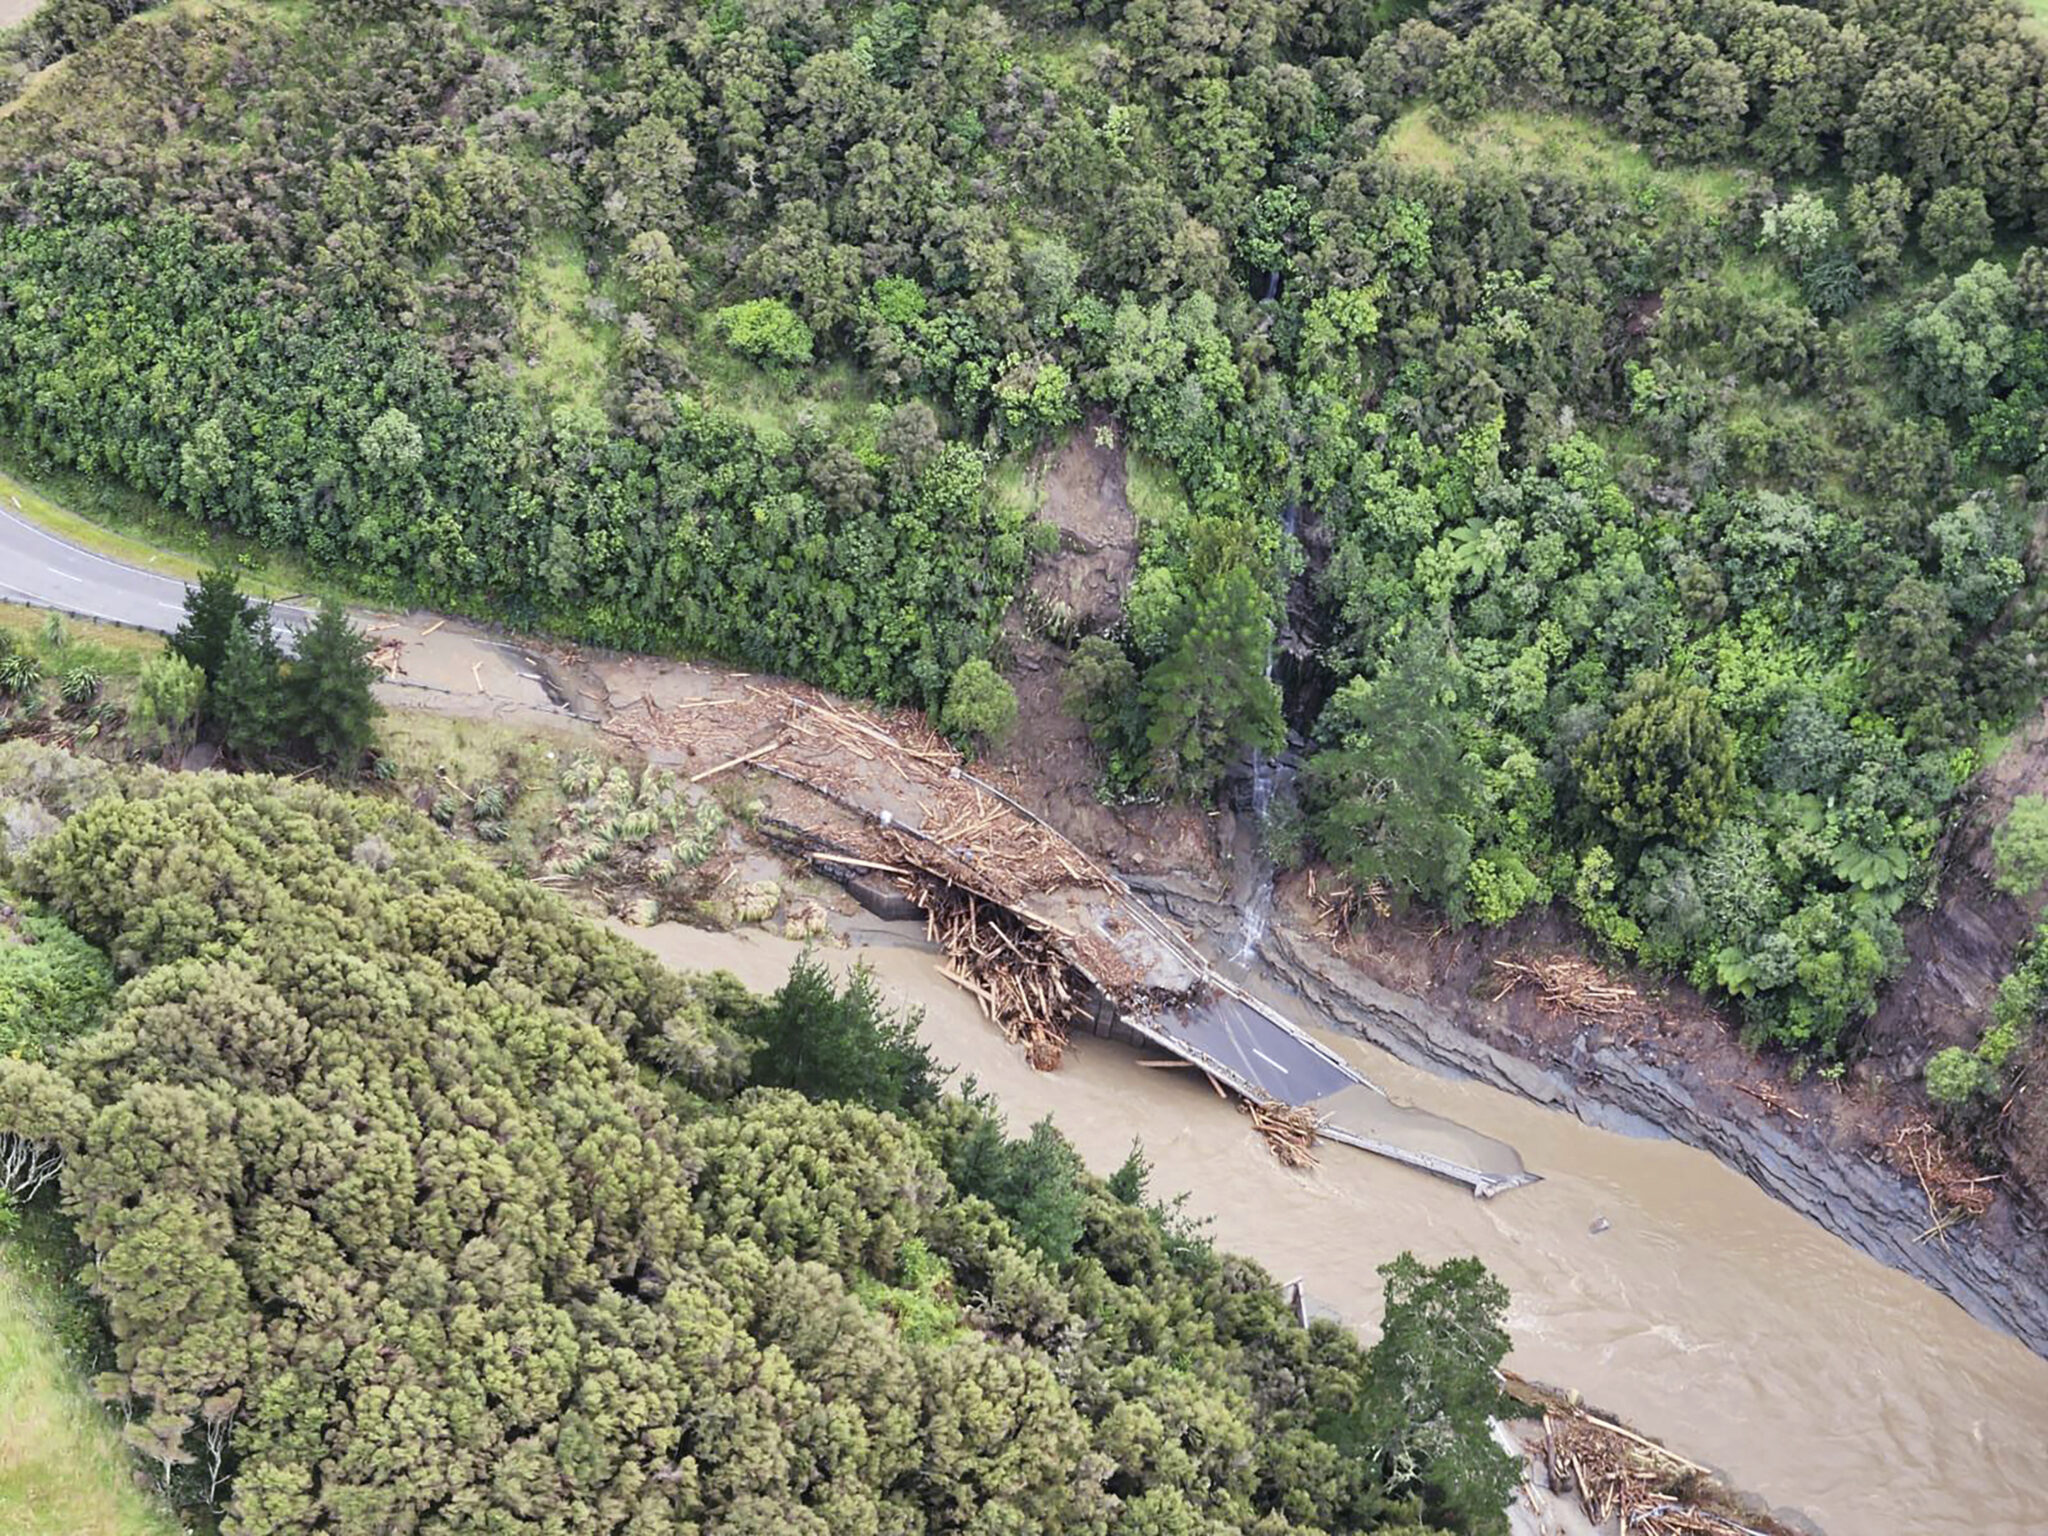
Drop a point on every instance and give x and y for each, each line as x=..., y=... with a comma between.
x=1619, y=1476
x=1954, y=1189
x=388, y=657
x=1567, y=984
x=863, y=760
x=1290, y=1130
x=1015, y=971
x=1339, y=903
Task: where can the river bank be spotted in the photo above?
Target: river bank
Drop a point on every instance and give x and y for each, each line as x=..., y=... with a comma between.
x=1630, y=1080
x=1702, y=1310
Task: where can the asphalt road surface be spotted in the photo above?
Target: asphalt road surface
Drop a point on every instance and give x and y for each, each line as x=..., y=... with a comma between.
x=39, y=568
x=421, y=651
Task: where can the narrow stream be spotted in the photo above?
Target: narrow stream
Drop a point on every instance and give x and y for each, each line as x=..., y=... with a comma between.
x=1705, y=1312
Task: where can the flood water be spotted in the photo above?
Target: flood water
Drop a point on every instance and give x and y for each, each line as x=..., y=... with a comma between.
x=1707, y=1313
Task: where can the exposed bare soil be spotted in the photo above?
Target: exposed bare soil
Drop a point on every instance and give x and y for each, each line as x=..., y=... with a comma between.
x=1083, y=492
x=1958, y=951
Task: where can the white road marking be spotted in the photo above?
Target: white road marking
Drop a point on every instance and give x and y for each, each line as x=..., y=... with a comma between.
x=1269, y=1061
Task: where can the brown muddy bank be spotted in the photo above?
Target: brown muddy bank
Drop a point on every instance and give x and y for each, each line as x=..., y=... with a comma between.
x=1705, y=1312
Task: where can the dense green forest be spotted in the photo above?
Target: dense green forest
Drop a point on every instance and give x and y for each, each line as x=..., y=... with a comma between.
x=1604, y=435
x=416, y=1202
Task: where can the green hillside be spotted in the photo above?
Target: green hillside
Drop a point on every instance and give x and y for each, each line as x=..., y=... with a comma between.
x=1654, y=394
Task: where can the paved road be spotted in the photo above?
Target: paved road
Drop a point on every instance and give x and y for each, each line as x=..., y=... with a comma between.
x=40, y=568
x=421, y=651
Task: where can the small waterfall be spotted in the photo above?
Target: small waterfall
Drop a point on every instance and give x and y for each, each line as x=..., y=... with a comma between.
x=1255, y=894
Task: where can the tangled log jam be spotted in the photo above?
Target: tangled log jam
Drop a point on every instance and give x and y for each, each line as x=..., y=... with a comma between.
x=1290, y=1130
x=1955, y=1190
x=1619, y=1476
x=1567, y=984
x=1022, y=981
x=859, y=759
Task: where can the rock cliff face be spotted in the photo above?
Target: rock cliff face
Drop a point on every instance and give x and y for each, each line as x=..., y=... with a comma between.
x=1997, y=1273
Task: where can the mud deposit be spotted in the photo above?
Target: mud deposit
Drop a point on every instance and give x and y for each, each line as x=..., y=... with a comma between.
x=1705, y=1311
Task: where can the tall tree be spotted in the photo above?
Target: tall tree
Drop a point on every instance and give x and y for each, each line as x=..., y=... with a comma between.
x=831, y=1044
x=1664, y=766
x=1430, y=1389
x=1208, y=698
x=1394, y=799
x=213, y=611
x=248, y=703
x=328, y=701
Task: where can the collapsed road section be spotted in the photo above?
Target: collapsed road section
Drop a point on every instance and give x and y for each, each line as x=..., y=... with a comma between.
x=1046, y=939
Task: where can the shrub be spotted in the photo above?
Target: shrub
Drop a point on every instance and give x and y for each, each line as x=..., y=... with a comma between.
x=167, y=699
x=52, y=983
x=1956, y=226
x=980, y=704
x=1955, y=1076
x=1802, y=227
x=767, y=331
x=80, y=684
x=2019, y=848
x=19, y=672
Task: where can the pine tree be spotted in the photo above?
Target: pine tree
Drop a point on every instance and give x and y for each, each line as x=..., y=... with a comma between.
x=214, y=610
x=1395, y=797
x=842, y=1045
x=1208, y=698
x=248, y=703
x=329, y=704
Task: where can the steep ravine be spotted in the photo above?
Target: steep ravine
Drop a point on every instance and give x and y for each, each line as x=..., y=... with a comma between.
x=2002, y=1282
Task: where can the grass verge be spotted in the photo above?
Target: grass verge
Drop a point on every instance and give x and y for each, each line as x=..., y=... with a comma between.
x=126, y=526
x=64, y=1470
x=114, y=651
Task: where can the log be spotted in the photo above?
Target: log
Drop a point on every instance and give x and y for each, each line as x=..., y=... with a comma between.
x=734, y=762
x=841, y=858
x=1648, y=1445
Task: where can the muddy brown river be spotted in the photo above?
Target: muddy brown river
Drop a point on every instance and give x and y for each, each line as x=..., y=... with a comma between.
x=1706, y=1312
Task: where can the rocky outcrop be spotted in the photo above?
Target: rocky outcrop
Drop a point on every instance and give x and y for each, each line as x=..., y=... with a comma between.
x=1998, y=1275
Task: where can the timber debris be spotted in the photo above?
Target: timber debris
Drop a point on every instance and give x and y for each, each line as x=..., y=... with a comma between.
x=1955, y=1190
x=1339, y=903
x=1567, y=984
x=1013, y=969
x=852, y=756
x=1290, y=1130
x=1621, y=1477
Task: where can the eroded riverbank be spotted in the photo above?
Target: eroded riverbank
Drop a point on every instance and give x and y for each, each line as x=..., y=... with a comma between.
x=1706, y=1312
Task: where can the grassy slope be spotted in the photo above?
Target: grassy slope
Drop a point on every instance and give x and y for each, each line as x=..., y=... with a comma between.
x=570, y=352
x=63, y=1468
x=1575, y=146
